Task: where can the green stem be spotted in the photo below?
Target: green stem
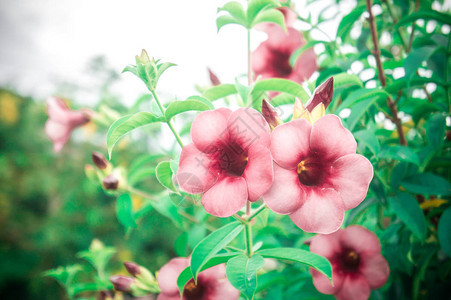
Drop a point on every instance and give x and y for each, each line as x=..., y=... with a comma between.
x=256, y=212
x=248, y=234
x=177, y=136
x=249, y=58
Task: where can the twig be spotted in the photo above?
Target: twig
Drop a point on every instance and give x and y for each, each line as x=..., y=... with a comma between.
x=377, y=54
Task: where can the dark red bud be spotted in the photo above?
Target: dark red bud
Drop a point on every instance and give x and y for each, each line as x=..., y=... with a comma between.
x=106, y=295
x=132, y=268
x=213, y=78
x=122, y=283
x=322, y=94
x=110, y=182
x=270, y=114
x=99, y=160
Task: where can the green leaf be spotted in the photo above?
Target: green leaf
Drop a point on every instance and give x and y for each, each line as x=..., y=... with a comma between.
x=425, y=15
x=186, y=274
x=444, y=237
x=212, y=244
x=219, y=91
x=359, y=95
x=406, y=207
x=222, y=21
x=435, y=130
x=164, y=175
x=400, y=153
x=345, y=79
x=282, y=99
x=126, y=124
x=235, y=9
x=178, y=107
x=357, y=110
x=349, y=20
x=427, y=184
x=369, y=139
x=124, y=211
x=296, y=54
x=416, y=58
x=271, y=16
x=242, y=273
x=281, y=85
x=98, y=258
x=310, y=259
x=256, y=6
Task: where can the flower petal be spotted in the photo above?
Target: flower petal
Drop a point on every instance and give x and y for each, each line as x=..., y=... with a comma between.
x=351, y=176
x=305, y=66
x=322, y=283
x=286, y=194
x=247, y=127
x=259, y=172
x=168, y=274
x=209, y=129
x=375, y=269
x=226, y=197
x=326, y=245
x=360, y=239
x=331, y=139
x=195, y=174
x=354, y=287
x=290, y=143
x=322, y=211
x=218, y=285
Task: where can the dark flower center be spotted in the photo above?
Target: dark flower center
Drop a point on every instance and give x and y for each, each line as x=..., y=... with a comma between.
x=281, y=63
x=349, y=261
x=233, y=159
x=311, y=171
x=193, y=291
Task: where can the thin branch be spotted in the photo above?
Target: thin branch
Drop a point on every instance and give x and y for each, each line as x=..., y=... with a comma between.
x=377, y=54
x=417, y=5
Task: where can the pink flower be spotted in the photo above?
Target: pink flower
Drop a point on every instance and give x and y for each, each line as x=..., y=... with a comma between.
x=229, y=160
x=62, y=121
x=211, y=283
x=272, y=58
x=317, y=175
x=357, y=264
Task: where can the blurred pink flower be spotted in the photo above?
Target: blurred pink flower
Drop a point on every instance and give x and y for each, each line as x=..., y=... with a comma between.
x=357, y=264
x=272, y=58
x=62, y=121
x=317, y=174
x=229, y=160
x=211, y=283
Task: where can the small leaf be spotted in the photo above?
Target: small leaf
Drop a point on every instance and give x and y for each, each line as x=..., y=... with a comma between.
x=124, y=125
x=400, y=153
x=435, y=130
x=281, y=85
x=222, y=21
x=256, y=6
x=124, y=211
x=219, y=91
x=349, y=20
x=369, y=139
x=296, y=54
x=425, y=15
x=427, y=184
x=357, y=110
x=444, y=237
x=270, y=16
x=164, y=175
x=212, y=244
x=242, y=273
x=408, y=210
x=186, y=274
x=345, y=79
x=416, y=58
x=361, y=94
x=178, y=107
x=235, y=9
x=310, y=259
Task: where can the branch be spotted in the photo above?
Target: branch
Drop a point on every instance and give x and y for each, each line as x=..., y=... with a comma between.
x=377, y=54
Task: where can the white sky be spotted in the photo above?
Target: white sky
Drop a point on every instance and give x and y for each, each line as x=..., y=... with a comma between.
x=45, y=42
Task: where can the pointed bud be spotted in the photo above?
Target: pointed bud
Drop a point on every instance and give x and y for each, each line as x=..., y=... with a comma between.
x=298, y=109
x=270, y=114
x=132, y=268
x=143, y=58
x=322, y=94
x=122, y=283
x=99, y=160
x=106, y=295
x=213, y=78
x=110, y=182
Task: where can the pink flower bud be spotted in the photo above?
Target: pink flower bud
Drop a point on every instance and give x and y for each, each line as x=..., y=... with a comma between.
x=110, y=182
x=213, y=78
x=122, y=283
x=322, y=94
x=132, y=268
x=99, y=160
x=270, y=114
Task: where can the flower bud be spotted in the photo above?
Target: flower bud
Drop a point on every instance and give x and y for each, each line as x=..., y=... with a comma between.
x=270, y=114
x=143, y=58
x=132, y=268
x=99, y=160
x=110, y=182
x=122, y=283
x=322, y=94
x=106, y=295
x=213, y=78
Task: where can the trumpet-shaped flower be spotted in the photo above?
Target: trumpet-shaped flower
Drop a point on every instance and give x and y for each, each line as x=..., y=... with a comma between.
x=357, y=264
x=211, y=283
x=229, y=160
x=62, y=121
x=317, y=173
